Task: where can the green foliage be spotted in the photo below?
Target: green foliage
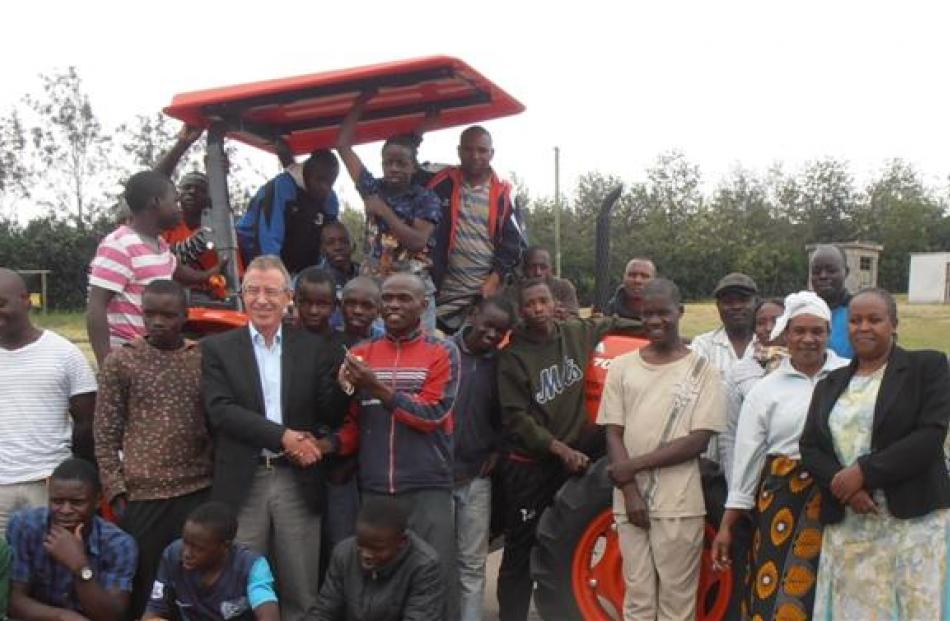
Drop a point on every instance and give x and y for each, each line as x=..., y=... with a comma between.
x=58, y=245
x=759, y=225
x=354, y=222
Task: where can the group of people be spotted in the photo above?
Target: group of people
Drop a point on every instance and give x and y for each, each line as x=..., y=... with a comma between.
x=334, y=458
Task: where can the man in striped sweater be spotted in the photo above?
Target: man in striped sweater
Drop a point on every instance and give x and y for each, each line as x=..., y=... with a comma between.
x=129, y=258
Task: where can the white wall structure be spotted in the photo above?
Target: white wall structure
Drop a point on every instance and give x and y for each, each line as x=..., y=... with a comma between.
x=929, y=278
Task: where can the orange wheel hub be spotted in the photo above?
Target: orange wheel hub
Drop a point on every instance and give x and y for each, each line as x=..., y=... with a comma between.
x=597, y=575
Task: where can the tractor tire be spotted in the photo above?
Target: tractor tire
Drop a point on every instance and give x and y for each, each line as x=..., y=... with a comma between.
x=576, y=562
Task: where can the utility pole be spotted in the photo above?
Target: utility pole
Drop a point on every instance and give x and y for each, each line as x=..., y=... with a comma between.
x=557, y=212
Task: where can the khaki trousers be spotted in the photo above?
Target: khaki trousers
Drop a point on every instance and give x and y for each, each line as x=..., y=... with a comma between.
x=661, y=568
x=276, y=521
x=16, y=496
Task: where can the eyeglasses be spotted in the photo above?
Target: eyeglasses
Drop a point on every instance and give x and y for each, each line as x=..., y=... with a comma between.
x=270, y=293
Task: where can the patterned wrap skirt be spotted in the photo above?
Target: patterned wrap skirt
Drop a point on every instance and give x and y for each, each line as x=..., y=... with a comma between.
x=786, y=544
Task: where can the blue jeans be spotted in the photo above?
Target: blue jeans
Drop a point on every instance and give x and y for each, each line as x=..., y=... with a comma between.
x=428, y=315
x=472, y=516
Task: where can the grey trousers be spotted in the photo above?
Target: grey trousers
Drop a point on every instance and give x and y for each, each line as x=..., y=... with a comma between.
x=16, y=496
x=276, y=521
x=432, y=517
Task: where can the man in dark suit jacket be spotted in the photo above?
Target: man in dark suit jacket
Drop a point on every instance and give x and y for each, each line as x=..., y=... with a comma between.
x=266, y=394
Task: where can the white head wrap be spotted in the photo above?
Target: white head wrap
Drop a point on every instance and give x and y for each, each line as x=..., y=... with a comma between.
x=801, y=303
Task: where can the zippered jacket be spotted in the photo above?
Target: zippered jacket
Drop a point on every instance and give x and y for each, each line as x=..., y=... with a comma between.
x=408, y=588
x=408, y=445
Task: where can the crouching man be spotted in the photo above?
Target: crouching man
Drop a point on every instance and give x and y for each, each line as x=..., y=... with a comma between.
x=385, y=573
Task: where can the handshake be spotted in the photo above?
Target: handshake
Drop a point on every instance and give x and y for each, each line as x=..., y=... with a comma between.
x=303, y=448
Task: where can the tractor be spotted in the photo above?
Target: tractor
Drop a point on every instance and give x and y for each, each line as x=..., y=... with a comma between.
x=576, y=562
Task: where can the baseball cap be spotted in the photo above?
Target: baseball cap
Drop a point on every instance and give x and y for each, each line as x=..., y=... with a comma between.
x=736, y=282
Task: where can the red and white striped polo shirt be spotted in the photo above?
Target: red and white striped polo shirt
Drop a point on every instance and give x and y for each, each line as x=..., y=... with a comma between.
x=124, y=263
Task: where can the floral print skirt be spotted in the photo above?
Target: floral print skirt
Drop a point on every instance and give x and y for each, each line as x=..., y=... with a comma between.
x=878, y=567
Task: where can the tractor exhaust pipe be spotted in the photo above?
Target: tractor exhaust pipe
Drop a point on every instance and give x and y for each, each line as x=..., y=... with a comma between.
x=602, y=250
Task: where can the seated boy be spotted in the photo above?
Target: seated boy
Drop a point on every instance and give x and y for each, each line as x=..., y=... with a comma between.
x=69, y=563
x=661, y=405
x=205, y=575
x=384, y=573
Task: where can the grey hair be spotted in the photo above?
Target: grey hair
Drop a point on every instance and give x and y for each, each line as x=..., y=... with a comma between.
x=269, y=262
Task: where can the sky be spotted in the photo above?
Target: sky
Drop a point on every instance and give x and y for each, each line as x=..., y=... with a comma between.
x=613, y=84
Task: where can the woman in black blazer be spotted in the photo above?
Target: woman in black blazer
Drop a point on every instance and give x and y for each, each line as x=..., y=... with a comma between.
x=874, y=442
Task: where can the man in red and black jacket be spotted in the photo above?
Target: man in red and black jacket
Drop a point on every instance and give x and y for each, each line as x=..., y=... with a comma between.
x=477, y=242
x=401, y=421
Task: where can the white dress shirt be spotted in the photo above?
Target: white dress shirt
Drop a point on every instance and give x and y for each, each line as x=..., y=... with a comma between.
x=718, y=349
x=770, y=423
x=268, y=368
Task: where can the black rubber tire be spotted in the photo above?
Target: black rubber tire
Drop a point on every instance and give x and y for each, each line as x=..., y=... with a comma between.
x=578, y=502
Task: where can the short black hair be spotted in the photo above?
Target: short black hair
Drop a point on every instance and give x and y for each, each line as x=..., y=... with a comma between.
x=383, y=513
x=663, y=286
x=407, y=141
x=164, y=286
x=839, y=249
x=323, y=158
x=335, y=224
x=363, y=281
x=499, y=302
x=314, y=275
x=217, y=516
x=532, y=250
x=889, y=300
x=474, y=129
x=144, y=186
x=77, y=469
x=529, y=283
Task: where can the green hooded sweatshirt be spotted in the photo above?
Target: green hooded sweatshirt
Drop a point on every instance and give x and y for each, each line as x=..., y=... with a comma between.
x=541, y=382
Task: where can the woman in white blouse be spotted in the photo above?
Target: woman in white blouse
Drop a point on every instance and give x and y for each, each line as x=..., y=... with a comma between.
x=767, y=480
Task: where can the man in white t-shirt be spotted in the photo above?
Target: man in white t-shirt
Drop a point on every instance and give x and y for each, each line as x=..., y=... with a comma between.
x=47, y=399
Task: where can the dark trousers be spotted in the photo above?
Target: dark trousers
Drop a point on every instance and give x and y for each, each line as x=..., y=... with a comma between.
x=529, y=489
x=154, y=524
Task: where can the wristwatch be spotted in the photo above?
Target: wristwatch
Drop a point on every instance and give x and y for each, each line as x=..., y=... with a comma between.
x=85, y=574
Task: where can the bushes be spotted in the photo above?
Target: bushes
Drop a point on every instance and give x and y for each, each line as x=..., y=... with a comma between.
x=56, y=245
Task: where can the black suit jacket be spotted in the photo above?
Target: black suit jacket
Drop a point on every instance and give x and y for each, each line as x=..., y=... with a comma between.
x=235, y=405
x=907, y=457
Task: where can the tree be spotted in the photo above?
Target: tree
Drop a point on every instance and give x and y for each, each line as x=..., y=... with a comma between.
x=903, y=214
x=355, y=221
x=69, y=143
x=16, y=176
x=821, y=201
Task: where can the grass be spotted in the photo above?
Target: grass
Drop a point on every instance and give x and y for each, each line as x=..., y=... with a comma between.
x=922, y=326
